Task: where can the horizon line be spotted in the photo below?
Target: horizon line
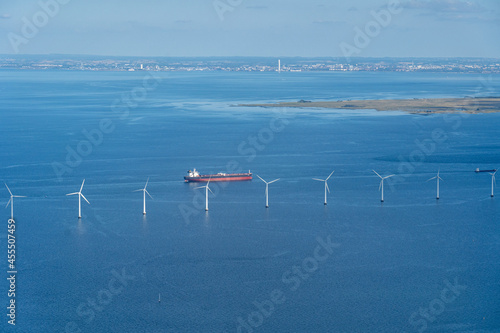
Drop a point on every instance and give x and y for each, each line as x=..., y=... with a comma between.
x=244, y=56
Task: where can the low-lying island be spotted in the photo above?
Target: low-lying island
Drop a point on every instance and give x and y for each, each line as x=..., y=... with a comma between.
x=416, y=105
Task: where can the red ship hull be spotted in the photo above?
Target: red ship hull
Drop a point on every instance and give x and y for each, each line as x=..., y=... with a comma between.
x=235, y=177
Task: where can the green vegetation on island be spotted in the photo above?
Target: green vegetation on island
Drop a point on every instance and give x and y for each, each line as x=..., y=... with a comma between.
x=416, y=105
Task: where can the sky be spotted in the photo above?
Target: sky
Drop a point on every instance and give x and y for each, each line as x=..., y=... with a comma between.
x=307, y=28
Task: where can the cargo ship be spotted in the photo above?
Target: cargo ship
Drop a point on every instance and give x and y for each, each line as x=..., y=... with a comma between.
x=194, y=176
x=492, y=170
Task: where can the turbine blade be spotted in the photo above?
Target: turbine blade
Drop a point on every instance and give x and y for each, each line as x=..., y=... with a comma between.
x=148, y=194
x=261, y=179
x=146, y=183
x=441, y=179
x=81, y=188
x=431, y=178
x=85, y=198
x=377, y=173
x=330, y=175
x=389, y=176
x=138, y=190
x=274, y=181
x=72, y=193
x=8, y=188
x=19, y=196
x=319, y=180
x=199, y=187
x=326, y=184
x=8, y=203
x=210, y=190
x=380, y=185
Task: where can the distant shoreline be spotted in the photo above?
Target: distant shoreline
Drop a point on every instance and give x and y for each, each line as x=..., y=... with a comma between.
x=415, y=106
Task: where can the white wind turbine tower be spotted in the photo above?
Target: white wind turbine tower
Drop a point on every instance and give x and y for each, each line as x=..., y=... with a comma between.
x=207, y=188
x=145, y=191
x=11, y=202
x=437, y=180
x=493, y=182
x=381, y=186
x=326, y=184
x=267, y=189
x=80, y=196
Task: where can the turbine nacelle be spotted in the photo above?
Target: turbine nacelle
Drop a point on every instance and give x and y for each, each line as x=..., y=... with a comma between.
x=267, y=183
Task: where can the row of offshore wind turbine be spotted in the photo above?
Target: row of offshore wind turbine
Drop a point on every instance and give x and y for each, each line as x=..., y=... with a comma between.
x=80, y=196
x=327, y=189
x=207, y=189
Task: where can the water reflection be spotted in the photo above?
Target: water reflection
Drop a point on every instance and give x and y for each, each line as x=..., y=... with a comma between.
x=145, y=225
x=206, y=219
x=80, y=227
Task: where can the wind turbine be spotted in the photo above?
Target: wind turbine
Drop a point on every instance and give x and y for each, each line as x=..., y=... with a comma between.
x=11, y=202
x=381, y=186
x=206, y=193
x=267, y=189
x=80, y=196
x=145, y=191
x=493, y=183
x=437, y=180
x=326, y=183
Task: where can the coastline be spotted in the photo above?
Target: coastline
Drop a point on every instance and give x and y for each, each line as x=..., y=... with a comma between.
x=414, y=106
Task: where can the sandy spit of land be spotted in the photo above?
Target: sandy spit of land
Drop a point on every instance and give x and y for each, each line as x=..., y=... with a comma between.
x=424, y=105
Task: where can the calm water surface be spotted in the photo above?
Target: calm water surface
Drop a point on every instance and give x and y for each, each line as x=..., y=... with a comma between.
x=410, y=264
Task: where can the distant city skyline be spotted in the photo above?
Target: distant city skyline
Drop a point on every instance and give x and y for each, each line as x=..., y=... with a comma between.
x=279, y=28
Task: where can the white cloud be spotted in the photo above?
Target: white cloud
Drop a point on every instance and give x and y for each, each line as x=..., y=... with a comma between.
x=444, y=6
x=458, y=10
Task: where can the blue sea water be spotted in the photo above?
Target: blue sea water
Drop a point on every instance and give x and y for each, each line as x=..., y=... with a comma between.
x=411, y=264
